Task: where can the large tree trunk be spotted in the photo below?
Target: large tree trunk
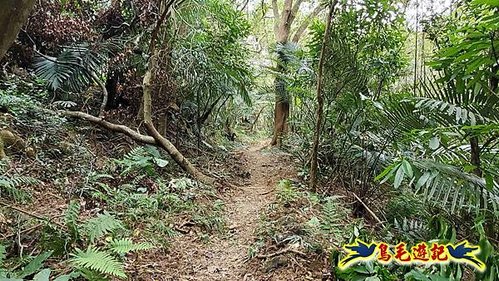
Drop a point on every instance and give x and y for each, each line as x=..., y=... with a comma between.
x=320, y=100
x=281, y=108
x=13, y=14
x=282, y=27
x=281, y=114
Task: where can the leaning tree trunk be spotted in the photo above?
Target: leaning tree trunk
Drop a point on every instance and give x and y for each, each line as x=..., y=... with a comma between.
x=13, y=14
x=320, y=100
x=147, y=104
x=162, y=141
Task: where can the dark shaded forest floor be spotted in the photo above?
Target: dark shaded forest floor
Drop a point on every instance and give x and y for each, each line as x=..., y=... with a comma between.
x=225, y=256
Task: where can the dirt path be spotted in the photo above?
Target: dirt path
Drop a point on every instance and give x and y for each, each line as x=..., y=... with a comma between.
x=223, y=258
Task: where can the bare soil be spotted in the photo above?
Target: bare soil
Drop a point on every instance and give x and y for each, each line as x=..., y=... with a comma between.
x=224, y=257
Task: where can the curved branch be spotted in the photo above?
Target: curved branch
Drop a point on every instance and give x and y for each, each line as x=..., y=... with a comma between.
x=111, y=126
x=275, y=10
x=296, y=6
x=303, y=26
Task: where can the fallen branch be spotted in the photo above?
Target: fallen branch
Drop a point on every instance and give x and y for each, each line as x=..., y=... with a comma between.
x=32, y=214
x=155, y=139
x=111, y=126
x=283, y=251
x=367, y=208
x=25, y=231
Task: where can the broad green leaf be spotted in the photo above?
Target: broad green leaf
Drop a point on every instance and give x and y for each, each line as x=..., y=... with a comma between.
x=399, y=176
x=417, y=275
x=387, y=173
x=43, y=275
x=493, y=3
x=407, y=168
x=489, y=182
x=63, y=278
x=160, y=162
x=422, y=180
x=34, y=265
x=434, y=142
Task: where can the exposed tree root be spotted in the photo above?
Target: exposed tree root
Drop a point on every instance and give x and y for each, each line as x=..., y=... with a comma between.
x=156, y=139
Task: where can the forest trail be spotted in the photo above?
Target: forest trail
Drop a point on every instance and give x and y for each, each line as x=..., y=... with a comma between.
x=223, y=258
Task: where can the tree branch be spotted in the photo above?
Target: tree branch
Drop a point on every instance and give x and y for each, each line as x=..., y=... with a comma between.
x=303, y=26
x=111, y=126
x=296, y=6
x=243, y=6
x=32, y=214
x=275, y=10
x=147, y=103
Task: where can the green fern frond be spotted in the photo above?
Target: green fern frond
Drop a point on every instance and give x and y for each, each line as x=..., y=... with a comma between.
x=332, y=214
x=72, y=213
x=126, y=245
x=451, y=186
x=287, y=192
x=10, y=185
x=71, y=217
x=413, y=228
x=142, y=158
x=462, y=115
x=101, y=225
x=100, y=261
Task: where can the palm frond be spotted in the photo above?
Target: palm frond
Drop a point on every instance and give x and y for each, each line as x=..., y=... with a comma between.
x=75, y=67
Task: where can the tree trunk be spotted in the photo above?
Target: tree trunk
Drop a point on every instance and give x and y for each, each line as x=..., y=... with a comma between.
x=13, y=14
x=162, y=141
x=320, y=100
x=281, y=114
x=281, y=107
x=282, y=27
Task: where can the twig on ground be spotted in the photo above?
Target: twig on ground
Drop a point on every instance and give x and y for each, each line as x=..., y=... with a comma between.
x=32, y=214
x=267, y=192
x=27, y=230
x=367, y=209
x=283, y=251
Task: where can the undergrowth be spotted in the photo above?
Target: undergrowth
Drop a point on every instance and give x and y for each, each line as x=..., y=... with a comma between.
x=303, y=221
x=103, y=209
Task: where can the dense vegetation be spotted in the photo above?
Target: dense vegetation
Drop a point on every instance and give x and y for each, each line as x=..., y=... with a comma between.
x=119, y=121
